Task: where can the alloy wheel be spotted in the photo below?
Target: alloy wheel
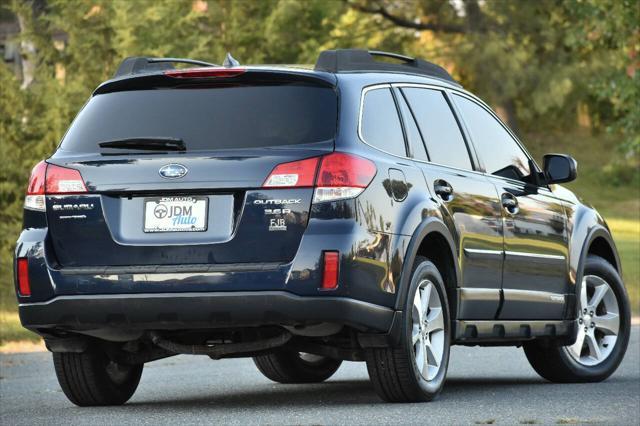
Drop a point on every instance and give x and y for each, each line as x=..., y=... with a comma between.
x=428, y=333
x=598, y=322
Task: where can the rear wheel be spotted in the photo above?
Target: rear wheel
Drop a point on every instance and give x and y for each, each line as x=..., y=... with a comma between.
x=91, y=378
x=286, y=366
x=416, y=369
x=603, y=326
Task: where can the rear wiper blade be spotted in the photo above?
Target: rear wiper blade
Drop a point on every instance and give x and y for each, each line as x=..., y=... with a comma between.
x=146, y=143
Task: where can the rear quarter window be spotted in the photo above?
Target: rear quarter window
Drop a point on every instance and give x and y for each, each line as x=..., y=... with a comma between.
x=209, y=118
x=380, y=123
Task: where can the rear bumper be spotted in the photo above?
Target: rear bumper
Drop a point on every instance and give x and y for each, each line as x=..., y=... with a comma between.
x=174, y=311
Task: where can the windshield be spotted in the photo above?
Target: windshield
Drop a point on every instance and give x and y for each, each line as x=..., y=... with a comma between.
x=208, y=118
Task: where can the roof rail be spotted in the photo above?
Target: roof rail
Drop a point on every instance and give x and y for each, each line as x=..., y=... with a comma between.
x=345, y=60
x=140, y=64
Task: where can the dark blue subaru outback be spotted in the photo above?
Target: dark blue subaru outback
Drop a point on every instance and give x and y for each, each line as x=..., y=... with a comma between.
x=366, y=210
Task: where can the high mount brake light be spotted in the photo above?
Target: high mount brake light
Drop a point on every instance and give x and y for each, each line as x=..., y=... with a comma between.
x=205, y=72
x=339, y=176
x=49, y=179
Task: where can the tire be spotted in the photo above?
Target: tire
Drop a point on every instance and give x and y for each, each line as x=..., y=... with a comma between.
x=287, y=366
x=394, y=371
x=576, y=363
x=92, y=379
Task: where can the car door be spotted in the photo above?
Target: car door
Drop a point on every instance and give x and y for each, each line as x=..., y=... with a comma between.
x=468, y=201
x=535, y=277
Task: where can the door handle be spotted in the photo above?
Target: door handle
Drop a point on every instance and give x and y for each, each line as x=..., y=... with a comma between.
x=443, y=190
x=510, y=203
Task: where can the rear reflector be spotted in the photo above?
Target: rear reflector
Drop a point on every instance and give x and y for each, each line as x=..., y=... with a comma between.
x=205, y=72
x=339, y=176
x=331, y=260
x=61, y=180
x=24, y=288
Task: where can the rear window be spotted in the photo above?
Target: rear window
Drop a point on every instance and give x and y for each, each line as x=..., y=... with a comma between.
x=208, y=118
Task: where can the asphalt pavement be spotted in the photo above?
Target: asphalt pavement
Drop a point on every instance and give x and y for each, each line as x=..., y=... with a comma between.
x=484, y=386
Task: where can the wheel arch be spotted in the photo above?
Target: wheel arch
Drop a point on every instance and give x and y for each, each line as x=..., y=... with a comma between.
x=432, y=239
x=598, y=242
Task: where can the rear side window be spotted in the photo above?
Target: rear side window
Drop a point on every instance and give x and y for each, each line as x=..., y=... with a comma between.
x=209, y=118
x=380, y=122
x=501, y=154
x=439, y=128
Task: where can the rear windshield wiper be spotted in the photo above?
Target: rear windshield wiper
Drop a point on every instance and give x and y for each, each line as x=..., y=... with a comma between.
x=146, y=143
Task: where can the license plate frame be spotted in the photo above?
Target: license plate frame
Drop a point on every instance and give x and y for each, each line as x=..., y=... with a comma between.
x=201, y=224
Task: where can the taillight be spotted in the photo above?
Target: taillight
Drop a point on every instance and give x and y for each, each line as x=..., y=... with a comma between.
x=295, y=174
x=50, y=179
x=342, y=176
x=331, y=260
x=339, y=176
x=61, y=180
x=34, y=199
x=24, y=287
x=205, y=72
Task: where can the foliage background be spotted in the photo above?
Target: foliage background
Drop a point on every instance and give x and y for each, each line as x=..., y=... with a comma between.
x=564, y=74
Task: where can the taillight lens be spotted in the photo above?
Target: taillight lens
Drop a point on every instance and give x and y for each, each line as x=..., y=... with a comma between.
x=24, y=287
x=342, y=176
x=61, y=180
x=205, y=72
x=331, y=261
x=34, y=199
x=295, y=174
x=339, y=176
x=51, y=180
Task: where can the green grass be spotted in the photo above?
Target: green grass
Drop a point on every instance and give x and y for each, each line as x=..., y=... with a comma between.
x=12, y=330
x=626, y=234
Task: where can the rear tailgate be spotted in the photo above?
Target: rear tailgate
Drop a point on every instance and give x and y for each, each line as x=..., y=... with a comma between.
x=218, y=211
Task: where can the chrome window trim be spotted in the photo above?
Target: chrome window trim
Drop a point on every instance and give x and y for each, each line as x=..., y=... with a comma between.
x=448, y=90
x=390, y=86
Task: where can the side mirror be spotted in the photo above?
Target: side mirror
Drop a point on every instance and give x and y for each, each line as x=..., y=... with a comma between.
x=559, y=168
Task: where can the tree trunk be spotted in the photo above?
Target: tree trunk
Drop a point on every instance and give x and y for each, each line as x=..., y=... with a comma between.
x=512, y=116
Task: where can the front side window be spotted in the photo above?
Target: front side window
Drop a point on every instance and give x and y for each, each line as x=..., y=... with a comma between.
x=439, y=128
x=380, y=122
x=501, y=154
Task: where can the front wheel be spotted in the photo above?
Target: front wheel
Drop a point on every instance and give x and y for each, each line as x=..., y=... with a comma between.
x=603, y=322
x=91, y=378
x=415, y=370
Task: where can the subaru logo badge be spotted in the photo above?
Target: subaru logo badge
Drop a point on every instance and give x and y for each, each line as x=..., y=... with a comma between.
x=173, y=171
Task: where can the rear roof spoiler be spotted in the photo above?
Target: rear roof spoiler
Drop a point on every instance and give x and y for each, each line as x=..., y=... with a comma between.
x=141, y=64
x=354, y=60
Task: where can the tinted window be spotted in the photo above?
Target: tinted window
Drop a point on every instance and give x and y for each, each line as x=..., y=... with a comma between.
x=439, y=128
x=501, y=155
x=413, y=134
x=212, y=118
x=380, y=122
